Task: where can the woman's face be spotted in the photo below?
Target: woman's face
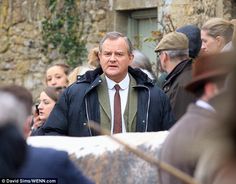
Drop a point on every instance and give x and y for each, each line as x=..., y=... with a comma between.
x=55, y=76
x=210, y=45
x=45, y=106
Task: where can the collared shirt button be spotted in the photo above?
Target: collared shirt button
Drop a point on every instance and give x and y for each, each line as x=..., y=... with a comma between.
x=100, y=81
x=85, y=124
x=143, y=121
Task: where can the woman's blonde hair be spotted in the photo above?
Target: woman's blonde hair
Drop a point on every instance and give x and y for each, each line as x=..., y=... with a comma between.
x=219, y=27
x=93, y=62
x=93, y=59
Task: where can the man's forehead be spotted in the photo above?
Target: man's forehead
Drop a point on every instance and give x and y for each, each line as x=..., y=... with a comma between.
x=121, y=45
x=116, y=50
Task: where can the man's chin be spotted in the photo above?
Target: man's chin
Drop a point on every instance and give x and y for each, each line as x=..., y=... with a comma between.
x=113, y=76
x=112, y=72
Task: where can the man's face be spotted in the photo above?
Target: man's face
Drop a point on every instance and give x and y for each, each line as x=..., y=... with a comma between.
x=161, y=64
x=115, y=59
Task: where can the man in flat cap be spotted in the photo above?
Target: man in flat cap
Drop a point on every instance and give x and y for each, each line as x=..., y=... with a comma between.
x=182, y=147
x=173, y=52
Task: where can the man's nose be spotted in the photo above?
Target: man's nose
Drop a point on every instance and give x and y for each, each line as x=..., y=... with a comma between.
x=113, y=57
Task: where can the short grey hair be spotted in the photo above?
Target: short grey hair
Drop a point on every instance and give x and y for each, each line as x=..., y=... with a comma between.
x=173, y=54
x=12, y=111
x=113, y=36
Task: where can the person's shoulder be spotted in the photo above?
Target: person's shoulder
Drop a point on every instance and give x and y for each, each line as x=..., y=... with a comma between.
x=77, y=87
x=48, y=162
x=86, y=80
x=178, y=132
x=42, y=158
x=186, y=123
x=185, y=76
x=157, y=91
x=51, y=153
x=47, y=157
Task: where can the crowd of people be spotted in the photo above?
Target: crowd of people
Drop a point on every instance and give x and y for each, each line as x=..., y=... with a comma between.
x=118, y=90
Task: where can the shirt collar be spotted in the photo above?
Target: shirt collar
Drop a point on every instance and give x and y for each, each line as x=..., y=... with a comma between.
x=205, y=105
x=124, y=84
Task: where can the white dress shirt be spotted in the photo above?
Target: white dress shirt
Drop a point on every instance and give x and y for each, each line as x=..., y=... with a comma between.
x=124, y=90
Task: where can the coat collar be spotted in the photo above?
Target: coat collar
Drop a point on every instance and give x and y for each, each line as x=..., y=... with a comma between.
x=140, y=77
x=177, y=70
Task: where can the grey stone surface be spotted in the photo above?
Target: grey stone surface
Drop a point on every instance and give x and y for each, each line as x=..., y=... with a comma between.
x=105, y=161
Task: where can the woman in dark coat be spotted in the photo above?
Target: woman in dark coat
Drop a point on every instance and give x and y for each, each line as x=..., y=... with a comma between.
x=47, y=100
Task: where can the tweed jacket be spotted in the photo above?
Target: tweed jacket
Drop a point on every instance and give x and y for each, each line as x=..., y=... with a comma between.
x=181, y=148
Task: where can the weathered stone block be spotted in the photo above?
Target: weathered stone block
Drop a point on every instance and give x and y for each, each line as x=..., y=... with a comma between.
x=105, y=161
x=4, y=43
x=134, y=4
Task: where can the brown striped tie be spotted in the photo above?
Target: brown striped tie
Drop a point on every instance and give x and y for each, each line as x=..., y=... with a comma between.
x=117, y=111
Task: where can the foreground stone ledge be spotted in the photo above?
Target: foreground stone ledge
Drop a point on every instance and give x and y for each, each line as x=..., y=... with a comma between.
x=105, y=161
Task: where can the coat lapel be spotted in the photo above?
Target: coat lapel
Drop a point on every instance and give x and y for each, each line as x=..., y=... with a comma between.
x=133, y=103
x=103, y=97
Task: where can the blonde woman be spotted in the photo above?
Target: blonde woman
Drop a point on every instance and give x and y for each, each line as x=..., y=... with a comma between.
x=57, y=75
x=93, y=62
x=216, y=35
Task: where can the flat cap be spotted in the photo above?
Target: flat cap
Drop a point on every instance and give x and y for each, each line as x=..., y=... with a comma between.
x=173, y=41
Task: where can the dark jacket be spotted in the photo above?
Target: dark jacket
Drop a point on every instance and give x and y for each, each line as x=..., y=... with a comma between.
x=43, y=163
x=79, y=104
x=174, y=87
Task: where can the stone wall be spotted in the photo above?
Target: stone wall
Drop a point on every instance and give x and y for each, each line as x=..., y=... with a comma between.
x=196, y=11
x=21, y=56
x=20, y=43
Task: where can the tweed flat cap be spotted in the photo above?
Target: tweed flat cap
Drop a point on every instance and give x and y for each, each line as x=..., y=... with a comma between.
x=173, y=41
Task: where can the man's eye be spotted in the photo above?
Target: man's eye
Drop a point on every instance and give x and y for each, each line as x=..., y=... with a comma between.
x=106, y=54
x=119, y=54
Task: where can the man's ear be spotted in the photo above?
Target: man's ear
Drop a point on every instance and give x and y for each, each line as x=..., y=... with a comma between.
x=165, y=56
x=210, y=89
x=131, y=57
x=99, y=55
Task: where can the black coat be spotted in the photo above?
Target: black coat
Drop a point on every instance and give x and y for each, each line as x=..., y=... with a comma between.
x=79, y=104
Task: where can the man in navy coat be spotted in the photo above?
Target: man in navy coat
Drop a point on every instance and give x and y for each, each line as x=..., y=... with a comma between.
x=46, y=163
